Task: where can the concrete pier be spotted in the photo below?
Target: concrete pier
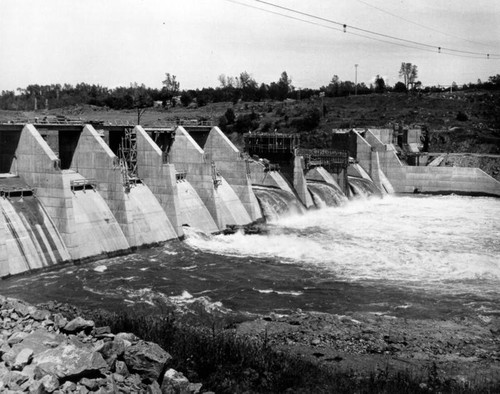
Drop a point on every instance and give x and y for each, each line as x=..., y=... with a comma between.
x=137, y=211
x=160, y=176
x=233, y=168
x=39, y=167
x=383, y=165
x=203, y=174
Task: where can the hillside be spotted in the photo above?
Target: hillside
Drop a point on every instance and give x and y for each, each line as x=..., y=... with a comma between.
x=460, y=122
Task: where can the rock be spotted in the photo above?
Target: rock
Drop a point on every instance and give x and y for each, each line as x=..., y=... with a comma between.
x=59, y=320
x=147, y=359
x=23, y=358
x=68, y=387
x=21, y=308
x=154, y=388
x=98, y=331
x=126, y=336
x=121, y=368
x=174, y=383
x=78, y=324
x=14, y=378
x=17, y=337
x=68, y=361
x=40, y=315
x=112, y=350
x=91, y=384
x=195, y=388
x=49, y=383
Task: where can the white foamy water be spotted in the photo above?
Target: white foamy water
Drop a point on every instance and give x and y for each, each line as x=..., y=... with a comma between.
x=450, y=243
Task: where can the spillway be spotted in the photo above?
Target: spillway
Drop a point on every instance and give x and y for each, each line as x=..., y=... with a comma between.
x=30, y=239
x=326, y=195
x=363, y=188
x=192, y=211
x=276, y=203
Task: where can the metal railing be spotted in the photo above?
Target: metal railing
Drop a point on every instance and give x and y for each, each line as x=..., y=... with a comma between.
x=180, y=175
x=15, y=191
x=83, y=184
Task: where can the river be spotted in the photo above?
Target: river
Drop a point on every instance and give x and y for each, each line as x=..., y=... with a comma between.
x=406, y=256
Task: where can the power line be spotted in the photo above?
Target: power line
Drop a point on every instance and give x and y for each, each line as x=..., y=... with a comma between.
x=427, y=48
x=345, y=26
x=420, y=25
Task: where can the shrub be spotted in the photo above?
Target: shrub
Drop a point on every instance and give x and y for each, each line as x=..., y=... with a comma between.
x=462, y=117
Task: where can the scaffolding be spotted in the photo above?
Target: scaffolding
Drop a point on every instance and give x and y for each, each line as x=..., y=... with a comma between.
x=216, y=176
x=127, y=153
x=332, y=160
x=271, y=142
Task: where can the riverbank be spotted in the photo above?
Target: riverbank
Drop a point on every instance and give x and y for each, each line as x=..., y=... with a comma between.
x=320, y=352
x=44, y=352
x=462, y=351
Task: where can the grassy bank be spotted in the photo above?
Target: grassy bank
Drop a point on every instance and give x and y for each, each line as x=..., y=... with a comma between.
x=227, y=363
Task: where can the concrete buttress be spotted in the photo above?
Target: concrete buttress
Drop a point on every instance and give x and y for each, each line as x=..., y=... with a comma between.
x=233, y=168
x=139, y=214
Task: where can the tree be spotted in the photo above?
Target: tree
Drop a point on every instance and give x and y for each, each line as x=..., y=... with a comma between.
x=285, y=85
x=170, y=87
x=409, y=73
x=142, y=100
x=400, y=87
x=248, y=86
x=222, y=80
x=379, y=84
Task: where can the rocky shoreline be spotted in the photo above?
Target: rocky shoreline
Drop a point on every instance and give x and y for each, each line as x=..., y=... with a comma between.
x=463, y=351
x=43, y=352
x=46, y=349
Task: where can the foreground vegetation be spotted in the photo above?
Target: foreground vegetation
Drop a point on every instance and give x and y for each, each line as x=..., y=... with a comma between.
x=227, y=363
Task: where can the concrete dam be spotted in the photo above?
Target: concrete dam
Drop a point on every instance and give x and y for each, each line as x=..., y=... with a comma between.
x=73, y=192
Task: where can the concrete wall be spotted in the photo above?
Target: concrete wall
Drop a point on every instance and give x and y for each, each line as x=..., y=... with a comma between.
x=259, y=176
x=140, y=215
x=96, y=229
x=37, y=165
x=187, y=156
x=322, y=175
x=384, y=135
x=29, y=239
x=443, y=180
x=191, y=209
x=300, y=183
x=382, y=164
x=160, y=177
x=233, y=168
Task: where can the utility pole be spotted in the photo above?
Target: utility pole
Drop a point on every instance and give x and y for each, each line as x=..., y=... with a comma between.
x=356, y=80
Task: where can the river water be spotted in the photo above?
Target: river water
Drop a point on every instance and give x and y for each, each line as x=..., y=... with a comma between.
x=406, y=256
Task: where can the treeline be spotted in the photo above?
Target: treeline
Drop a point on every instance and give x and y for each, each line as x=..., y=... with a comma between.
x=232, y=89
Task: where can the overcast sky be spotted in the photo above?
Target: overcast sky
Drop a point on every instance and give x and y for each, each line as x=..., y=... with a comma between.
x=116, y=42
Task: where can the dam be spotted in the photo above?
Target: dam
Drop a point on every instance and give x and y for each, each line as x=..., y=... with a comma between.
x=75, y=191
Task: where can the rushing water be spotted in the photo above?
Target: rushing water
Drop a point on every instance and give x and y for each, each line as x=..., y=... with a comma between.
x=408, y=256
x=276, y=203
x=325, y=195
x=362, y=188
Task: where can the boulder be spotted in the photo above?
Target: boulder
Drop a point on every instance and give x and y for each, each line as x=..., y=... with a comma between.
x=112, y=350
x=78, y=324
x=147, y=359
x=17, y=337
x=48, y=384
x=23, y=358
x=68, y=361
x=40, y=315
x=59, y=320
x=121, y=368
x=175, y=383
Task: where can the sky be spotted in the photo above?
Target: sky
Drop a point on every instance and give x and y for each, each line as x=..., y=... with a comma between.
x=118, y=42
